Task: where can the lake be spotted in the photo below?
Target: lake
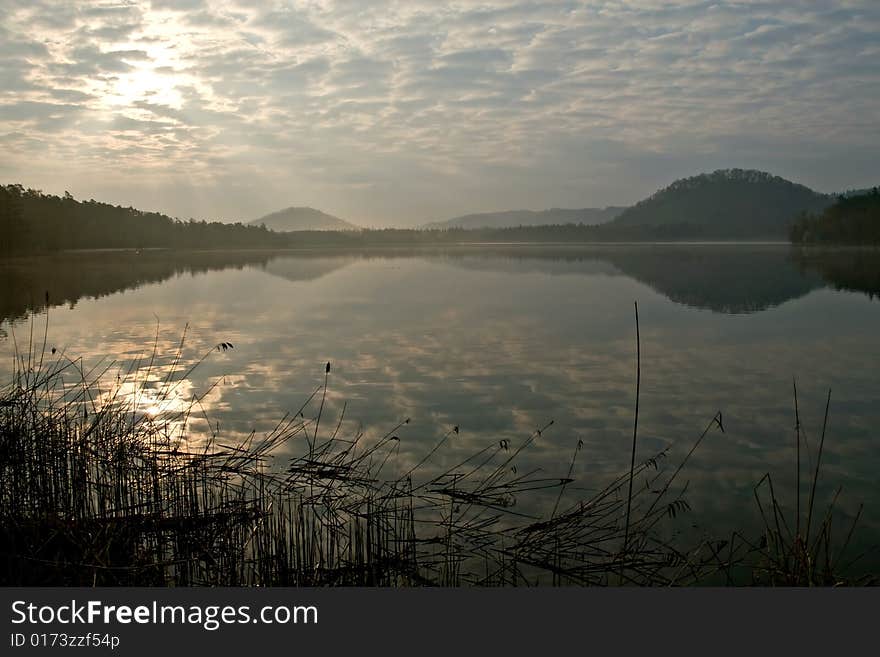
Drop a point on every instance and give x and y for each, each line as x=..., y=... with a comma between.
x=499, y=340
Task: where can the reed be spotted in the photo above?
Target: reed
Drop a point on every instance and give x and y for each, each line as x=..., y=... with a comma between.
x=808, y=555
x=93, y=491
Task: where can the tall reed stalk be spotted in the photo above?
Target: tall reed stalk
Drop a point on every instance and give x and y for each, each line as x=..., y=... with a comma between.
x=93, y=491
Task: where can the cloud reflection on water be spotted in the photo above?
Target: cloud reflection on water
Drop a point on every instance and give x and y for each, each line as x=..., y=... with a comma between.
x=500, y=343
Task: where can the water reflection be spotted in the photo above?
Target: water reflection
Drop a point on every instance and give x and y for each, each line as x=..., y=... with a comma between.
x=721, y=278
x=854, y=270
x=499, y=341
x=68, y=277
x=718, y=277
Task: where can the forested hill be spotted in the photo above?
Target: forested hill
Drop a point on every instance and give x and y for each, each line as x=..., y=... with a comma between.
x=32, y=221
x=729, y=203
x=853, y=219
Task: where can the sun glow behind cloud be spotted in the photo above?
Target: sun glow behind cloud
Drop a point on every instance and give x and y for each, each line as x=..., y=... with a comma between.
x=404, y=111
x=155, y=79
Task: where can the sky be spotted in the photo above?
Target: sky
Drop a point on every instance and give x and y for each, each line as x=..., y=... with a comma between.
x=402, y=112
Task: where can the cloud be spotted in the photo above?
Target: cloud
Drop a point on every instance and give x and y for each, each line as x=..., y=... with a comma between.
x=399, y=112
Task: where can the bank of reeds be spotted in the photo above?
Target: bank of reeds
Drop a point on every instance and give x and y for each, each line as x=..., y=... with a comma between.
x=93, y=491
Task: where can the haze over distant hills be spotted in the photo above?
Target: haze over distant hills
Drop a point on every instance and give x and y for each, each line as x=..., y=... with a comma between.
x=728, y=203
x=731, y=204
x=294, y=218
x=513, y=218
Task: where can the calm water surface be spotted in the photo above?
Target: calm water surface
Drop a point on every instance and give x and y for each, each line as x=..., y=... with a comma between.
x=499, y=341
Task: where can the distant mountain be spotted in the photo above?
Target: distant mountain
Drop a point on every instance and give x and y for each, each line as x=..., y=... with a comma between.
x=513, y=218
x=291, y=219
x=728, y=203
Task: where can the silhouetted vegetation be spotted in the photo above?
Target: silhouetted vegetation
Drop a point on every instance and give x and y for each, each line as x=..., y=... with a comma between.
x=725, y=205
x=31, y=221
x=728, y=204
x=555, y=234
x=95, y=490
x=514, y=218
x=854, y=219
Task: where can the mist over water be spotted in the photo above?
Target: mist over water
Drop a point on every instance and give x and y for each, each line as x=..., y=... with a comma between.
x=500, y=340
